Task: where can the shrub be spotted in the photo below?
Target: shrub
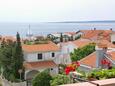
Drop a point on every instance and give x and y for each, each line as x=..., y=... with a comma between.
x=82, y=52
x=102, y=74
x=42, y=79
x=59, y=80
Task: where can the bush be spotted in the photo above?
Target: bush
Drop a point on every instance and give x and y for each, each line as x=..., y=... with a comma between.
x=82, y=52
x=102, y=74
x=42, y=79
x=59, y=80
x=61, y=68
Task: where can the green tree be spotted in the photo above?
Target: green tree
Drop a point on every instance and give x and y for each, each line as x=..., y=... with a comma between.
x=61, y=37
x=6, y=59
x=17, y=56
x=3, y=43
x=11, y=58
x=82, y=52
x=42, y=79
x=59, y=80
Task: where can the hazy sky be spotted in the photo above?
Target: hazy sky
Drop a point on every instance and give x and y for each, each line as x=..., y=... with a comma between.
x=56, y=10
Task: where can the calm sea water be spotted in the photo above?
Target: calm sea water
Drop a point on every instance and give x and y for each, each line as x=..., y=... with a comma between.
x=46, y=28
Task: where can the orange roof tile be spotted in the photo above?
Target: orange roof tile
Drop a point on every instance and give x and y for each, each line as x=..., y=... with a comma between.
x=106, y=43
x=92, y=34
x=113, y=32
x=89, y=60
x=12, y=38
x=81, y=42
x=50, y=46
x=39, y=64
x=112, y=55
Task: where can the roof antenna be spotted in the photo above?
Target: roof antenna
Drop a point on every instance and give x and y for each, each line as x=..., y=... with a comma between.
x=29, y=33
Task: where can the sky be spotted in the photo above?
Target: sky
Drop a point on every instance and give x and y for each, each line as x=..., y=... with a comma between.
x=56, y=10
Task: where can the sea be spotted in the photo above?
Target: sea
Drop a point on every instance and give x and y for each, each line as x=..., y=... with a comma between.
x=44, y=28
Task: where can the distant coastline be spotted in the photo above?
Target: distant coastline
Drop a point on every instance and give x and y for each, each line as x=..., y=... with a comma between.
x=103, y=21
x=44, y=28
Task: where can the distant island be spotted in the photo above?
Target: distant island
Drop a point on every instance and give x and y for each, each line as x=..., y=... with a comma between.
x=103, y=21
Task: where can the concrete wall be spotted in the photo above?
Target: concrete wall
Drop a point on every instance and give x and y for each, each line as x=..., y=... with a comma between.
x=106, y=82
x=85, y=68
x=112, y=37
x=32, y=57
x=31, y=73
x=63, y=59
x=67, y=47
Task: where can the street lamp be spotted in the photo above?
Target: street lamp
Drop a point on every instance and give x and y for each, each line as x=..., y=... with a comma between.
x=20, y=72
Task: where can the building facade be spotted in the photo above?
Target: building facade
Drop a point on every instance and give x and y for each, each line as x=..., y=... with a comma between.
x=39, y=57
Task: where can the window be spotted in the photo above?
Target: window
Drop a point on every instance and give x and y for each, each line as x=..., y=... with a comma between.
x=40, y=56
x=51, y=68
x=53, y=54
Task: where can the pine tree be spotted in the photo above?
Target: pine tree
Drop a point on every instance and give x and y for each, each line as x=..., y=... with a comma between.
x=11, y=58
x=18, y=56
x=61, y=37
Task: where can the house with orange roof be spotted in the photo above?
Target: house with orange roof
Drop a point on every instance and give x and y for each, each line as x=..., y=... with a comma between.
x=94, y=34
x=103, y=57
x=68, y=47
x=39, y=57
x=7, y=38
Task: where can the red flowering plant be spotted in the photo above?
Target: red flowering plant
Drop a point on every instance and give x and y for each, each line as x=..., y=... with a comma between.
x=106, y=62
x=72, y=67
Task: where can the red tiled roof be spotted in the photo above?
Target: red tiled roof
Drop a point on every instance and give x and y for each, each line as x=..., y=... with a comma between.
x=81, y=42
x=112, y=55
x=40, y=64
x=89, y=60
x=113, y=32
x=92, y=34
x=50, y=46
x=6, y=38
x=107, y=43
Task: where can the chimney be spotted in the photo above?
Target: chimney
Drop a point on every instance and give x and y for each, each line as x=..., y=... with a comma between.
x=101, y=49
x=94, y=28
x=111, y=29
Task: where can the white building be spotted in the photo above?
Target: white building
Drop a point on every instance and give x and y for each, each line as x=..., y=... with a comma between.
x=67, y=36
x=74, y=35
x=112, y=37
x=68, y=47
x=39, y=57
